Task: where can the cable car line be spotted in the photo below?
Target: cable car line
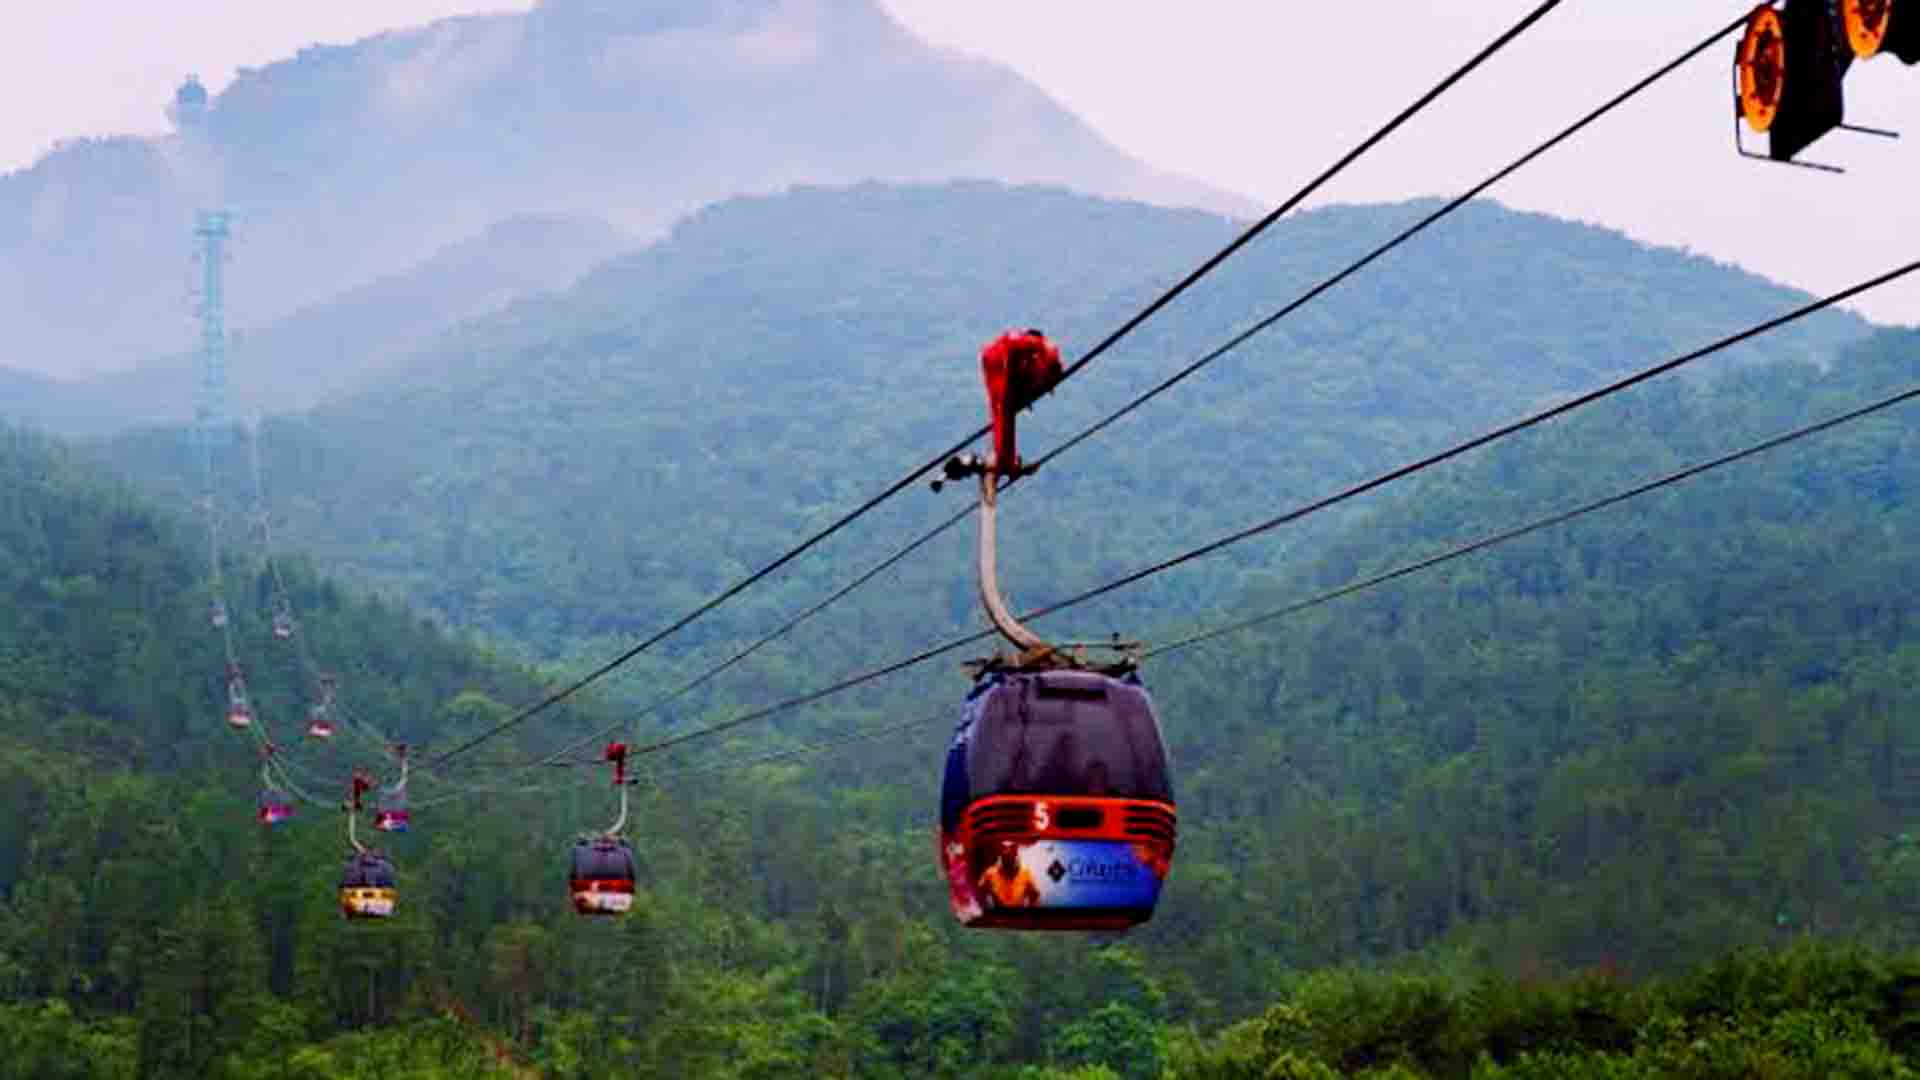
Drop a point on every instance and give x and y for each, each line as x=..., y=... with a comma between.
x=325, y=707
x=844, y=739
x=785, y=628
x=1537, y=525
x=1296, y=514
x=1351, y=588
x=1112, y=339
x=1233, y=343
x=1298, y=197
x=1368, y=583
x=286, y=629
x=1478, y=189
x=1478, y=441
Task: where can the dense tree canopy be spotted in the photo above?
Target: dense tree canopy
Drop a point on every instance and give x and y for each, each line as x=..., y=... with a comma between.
x=1629, y=797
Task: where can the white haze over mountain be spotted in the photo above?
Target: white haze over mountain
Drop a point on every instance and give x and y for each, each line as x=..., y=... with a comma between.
x=344, y=163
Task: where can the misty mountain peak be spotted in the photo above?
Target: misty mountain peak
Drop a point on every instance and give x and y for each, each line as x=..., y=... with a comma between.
x=839, y=20
x=651, y=16
x=347, y=163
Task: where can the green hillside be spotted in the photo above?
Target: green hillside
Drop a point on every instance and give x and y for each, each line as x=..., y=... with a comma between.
x=581, y=469
x=1514, y=817
x=1669, y=728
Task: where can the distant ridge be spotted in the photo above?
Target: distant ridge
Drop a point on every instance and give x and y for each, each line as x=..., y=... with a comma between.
x=344, y=163
x=537, y=474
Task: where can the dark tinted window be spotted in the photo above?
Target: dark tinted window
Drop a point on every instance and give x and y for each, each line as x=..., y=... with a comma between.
x=603, y=861
x=1074, y=732
x=367, y=872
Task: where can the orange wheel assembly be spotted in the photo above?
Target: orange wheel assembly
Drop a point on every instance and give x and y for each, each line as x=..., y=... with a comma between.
x=1762, y=63
x=1866, y=22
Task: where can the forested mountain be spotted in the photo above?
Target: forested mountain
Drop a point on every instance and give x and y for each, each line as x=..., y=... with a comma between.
x=345, y=163
x=319, y=352
x=1629, y=744
x=537, y=475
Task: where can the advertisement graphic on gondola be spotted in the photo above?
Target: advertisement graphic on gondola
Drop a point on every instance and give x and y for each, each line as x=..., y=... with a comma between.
x=367, y=903
x=602, y=897
x=1003, y=875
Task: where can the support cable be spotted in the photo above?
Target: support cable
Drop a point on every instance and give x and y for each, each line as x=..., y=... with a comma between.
x=1233, y=343
x=1376, y=580
x=1112, y=339
x=1296, y=514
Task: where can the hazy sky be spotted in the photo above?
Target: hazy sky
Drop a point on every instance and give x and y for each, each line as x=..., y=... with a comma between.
x=1251, y=95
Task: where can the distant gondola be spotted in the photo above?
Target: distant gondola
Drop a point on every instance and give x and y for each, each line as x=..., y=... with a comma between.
x=600, y=879
x=320, y=714
x=239, y=712
x=367, y=888
x=602, y=875
x=390, y=811
x=390, y=806
x=273, y=807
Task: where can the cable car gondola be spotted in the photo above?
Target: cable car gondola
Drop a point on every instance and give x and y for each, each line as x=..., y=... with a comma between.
x=367, y=888
x=273, y=806
x=390, y=809
x=1056, y=808
x=390, y=812
x=602, y=874
x=601, y=877
x=320, y=715
x=239, y=712
x=282, y=625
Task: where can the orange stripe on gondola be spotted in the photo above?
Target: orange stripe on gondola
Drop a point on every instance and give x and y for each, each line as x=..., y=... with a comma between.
x=600, y=885
x=1026, y=818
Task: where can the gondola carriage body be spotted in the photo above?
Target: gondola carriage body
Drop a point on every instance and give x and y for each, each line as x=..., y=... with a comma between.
x=1057, y=808
x=272, y=808
x=601, y=877
x=239, y=712
x=390, y=813
x=367, y=889
x=390, y=809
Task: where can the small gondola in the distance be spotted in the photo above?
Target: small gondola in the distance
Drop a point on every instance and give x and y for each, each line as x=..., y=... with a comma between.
x=601, y=876
x=368, y=889
x=273, y=806
x=390, y=813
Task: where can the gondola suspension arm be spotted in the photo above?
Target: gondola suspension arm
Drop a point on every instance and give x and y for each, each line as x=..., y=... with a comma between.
x=1018, y=367
x=617, y=754
x=358, y=787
